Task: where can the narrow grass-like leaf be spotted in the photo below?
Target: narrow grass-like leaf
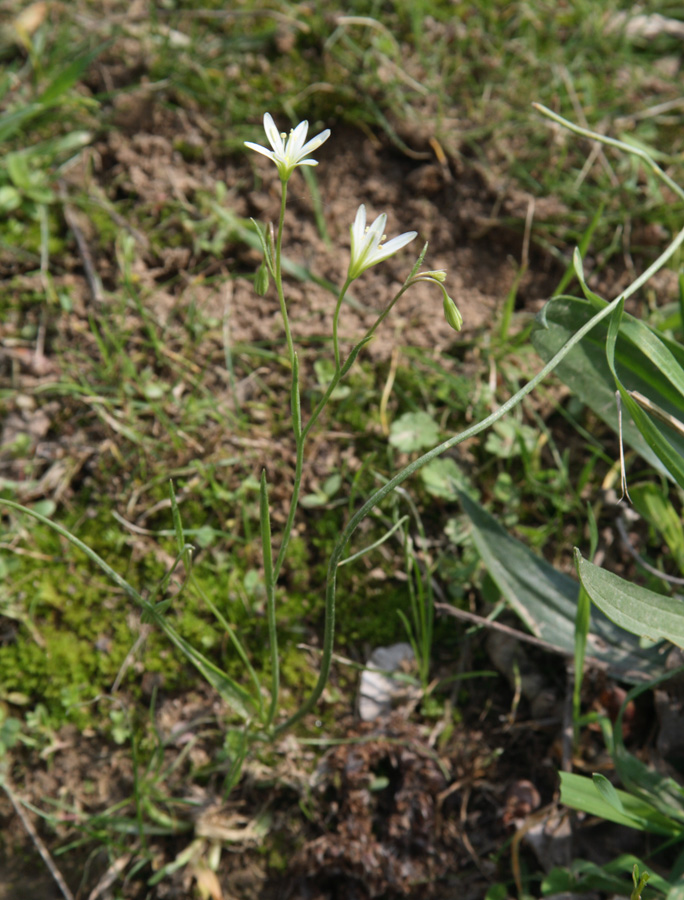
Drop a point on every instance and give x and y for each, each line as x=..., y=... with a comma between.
x=580, y=792
x=651, y=502
x=160, y=590
x=237, y=645
x=67, y=77
x=584, y=244
x=177, y=521
x=375, y=544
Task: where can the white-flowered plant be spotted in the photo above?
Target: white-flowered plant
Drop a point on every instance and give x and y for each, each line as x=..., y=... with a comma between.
x=257, y=709
x=289, y=151
x=369, y=246
x=367, y=243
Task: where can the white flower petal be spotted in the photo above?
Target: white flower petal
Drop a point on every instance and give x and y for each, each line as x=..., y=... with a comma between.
x=367, y=246
x=260, y=149
x=397, y=243
x=359, y=225
x=315, y=142
x=295, y=142
x=273, y=134
x=290, y=152
x=377, y=229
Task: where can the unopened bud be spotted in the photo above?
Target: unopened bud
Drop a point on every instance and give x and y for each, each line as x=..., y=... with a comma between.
x=451, y=313
x=261, y=279
x=434, y=275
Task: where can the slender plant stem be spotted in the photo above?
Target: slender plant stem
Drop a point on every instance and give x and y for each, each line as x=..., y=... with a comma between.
x=266, y=545
x=338, y=306
x=300, y=438
x=401, y=477
x=279, y=274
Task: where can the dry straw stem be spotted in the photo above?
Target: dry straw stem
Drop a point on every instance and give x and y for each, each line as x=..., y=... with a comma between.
x=613, y=142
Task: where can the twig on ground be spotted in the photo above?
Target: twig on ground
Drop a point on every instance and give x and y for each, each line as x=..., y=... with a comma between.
x=93, y=279
x=33, y=834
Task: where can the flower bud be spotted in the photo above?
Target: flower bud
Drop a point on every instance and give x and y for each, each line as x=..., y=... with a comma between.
x=451, y=313
x=261, y=279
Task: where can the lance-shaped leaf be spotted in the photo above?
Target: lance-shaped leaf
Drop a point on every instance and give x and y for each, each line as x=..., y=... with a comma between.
x=645, y=362
x=634, y=608
x=546, y=600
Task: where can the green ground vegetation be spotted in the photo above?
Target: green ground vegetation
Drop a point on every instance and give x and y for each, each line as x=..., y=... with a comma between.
x=458, y=77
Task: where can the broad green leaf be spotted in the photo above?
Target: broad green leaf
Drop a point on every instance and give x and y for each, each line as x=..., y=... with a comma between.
x=586, y=371
x=10, y=198
x=583, y=624
x=414, y=431
x=654, y=433
x=636, y=609
x=580, y=792
x=546, y=600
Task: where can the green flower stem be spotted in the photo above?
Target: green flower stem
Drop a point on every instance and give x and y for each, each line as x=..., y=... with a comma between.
x=279, y=274
x=266, y=546
x=401, y=477
x=336, y=343
x=302, y=434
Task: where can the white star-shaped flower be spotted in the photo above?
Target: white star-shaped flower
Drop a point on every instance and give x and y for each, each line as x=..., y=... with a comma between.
x=289, y=150
x=367, y=247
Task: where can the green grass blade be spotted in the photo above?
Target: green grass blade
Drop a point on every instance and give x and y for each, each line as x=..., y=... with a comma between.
x=237, y=645
x=580, y=792
x=67, y=77
x=386, y=536
x=177, y=521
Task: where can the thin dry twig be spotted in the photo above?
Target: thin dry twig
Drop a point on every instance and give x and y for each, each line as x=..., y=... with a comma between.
x=35, y=837
x=110, y=876
x=93, y=279
x=624, y=537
